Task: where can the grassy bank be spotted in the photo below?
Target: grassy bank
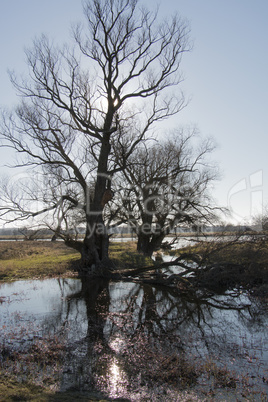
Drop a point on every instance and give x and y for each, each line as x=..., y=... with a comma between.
x=35, y=259
x=13, y=390
x=43, y=259
x=248, y=261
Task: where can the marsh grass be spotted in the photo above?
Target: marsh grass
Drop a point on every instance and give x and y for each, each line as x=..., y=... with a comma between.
x=12, y=390
x=243, y=252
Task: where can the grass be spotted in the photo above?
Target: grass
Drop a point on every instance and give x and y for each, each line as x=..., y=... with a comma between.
x=32, y=259
x=13, y=390
x=232, y=252
x=42, y=259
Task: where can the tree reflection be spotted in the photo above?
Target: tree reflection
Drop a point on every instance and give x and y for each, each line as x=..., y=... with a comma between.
x=133, y=330
x=124, y=337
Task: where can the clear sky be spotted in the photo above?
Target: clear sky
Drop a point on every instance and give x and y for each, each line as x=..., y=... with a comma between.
x=225, y=76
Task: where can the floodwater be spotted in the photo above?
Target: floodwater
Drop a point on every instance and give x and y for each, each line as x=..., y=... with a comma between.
x=137, y=342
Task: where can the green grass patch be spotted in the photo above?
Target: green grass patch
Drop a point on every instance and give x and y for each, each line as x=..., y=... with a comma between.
x=13, y=390
x=27, y=260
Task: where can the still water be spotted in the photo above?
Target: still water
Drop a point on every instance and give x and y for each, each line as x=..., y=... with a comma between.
x=127, y=340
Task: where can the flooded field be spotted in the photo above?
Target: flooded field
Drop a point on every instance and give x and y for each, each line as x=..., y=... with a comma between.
x=125, y=340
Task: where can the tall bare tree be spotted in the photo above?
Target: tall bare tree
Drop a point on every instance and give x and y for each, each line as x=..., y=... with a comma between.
x=78, y=104
x=169, y=187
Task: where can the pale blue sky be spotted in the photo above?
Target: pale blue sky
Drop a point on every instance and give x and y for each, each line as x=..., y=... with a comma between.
x=225, y=76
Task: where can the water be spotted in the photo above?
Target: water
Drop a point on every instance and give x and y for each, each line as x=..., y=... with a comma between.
x=128, y=340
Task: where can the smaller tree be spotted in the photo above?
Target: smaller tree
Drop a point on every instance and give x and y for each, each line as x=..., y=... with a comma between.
x=260, y=221
x=29, y=234
x=164, y=186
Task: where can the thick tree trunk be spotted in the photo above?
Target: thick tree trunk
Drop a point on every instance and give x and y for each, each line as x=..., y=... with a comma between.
x=148, y=243
x=143, y=244
x=94, y=255
x=94, y=248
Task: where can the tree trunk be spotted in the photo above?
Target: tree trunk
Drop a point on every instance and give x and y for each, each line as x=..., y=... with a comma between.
x=143, y=244
x=94, y=255
x=95, y=246
x=94, y=249
x=148, y=243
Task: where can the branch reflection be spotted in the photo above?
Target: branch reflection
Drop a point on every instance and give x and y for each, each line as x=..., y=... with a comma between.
x=138, y=335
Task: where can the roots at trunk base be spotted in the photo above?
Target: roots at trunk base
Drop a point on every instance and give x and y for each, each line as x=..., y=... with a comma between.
x=94, y=255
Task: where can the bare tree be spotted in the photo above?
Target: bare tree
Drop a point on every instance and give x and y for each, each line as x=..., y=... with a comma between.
x=79, y=103
x=260, y=221
x=166, y=185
